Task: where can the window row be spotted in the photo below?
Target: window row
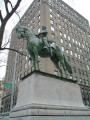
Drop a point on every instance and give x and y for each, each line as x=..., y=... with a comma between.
x=66, y=11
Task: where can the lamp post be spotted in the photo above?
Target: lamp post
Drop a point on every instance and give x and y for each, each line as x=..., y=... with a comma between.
x=13, y=83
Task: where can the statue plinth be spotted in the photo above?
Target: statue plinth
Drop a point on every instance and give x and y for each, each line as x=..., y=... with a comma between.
x=42, y=94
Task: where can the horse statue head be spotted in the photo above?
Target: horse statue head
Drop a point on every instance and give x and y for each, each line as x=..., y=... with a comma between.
x=20, y=32
x=23, y=32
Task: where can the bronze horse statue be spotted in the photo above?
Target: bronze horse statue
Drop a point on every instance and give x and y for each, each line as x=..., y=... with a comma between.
x=35, y=49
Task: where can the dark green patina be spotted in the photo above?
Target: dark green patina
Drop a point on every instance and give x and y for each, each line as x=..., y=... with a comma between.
x=39, y=45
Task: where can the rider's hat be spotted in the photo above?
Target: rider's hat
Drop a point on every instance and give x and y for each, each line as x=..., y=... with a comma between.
x=43, y=27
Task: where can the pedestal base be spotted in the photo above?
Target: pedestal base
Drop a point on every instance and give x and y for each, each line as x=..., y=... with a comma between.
x=52, y=118
x=48, y=97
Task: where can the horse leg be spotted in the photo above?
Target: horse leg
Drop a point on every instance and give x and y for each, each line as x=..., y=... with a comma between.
x=36, y=57
x=33, y=60
x=63, y=65
x=56, y=64
x=60, y=58
x=34, y=64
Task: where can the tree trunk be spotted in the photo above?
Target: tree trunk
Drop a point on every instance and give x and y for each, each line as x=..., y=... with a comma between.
x=2, y=33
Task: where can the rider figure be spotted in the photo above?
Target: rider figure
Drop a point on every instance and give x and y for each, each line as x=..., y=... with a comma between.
x=43, y=36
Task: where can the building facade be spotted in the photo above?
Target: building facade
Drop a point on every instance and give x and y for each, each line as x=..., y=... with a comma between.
x=1, y=91
x=65, y=27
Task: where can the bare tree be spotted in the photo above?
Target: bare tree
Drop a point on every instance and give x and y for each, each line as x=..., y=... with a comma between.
x=5, y=19
x=10, y=10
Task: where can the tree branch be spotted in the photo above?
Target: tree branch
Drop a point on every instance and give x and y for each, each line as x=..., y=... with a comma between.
x=13, y=50
x=21, y=53
x=10, y=3
x=13, y=10
x=7, y=17
x=7, y=42
x=6, y=6
x=2, y=61
x=1, y=16
x=2, y=65
x=17, y=14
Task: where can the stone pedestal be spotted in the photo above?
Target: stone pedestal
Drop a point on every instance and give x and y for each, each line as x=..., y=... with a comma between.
x=43, y=96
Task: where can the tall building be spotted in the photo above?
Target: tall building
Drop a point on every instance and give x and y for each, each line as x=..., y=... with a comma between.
x=68, y=29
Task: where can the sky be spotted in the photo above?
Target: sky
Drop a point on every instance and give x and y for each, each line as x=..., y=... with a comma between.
x=81, y=6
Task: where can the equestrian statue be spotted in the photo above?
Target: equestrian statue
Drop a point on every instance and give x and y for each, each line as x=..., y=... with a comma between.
x=39, y=45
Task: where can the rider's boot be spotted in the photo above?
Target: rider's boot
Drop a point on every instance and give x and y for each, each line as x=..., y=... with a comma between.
x=45, y=47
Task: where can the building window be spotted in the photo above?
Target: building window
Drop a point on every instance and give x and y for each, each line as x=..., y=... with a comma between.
x=32, y=68
x=76, y=78
x=18, y=79
x=68, y=58
x=61, y=40
x=69, y=44
x=87, y=67
x=29, y=62
x=67, y=51
x=50, y=1
x=31, y=27
x=25, y=65
x=25, y=73
x=53, y=36
x=62, y=22
x=79, y=43
x=73, y=40
x=55, y=72
x=86, y=74
x=77, y=62
x=51, y=21
x=71, y=52
x=52, y=28
x=50, y=10
x=73, y=61
x=80, y=80
x=81, y=50
x=64, y=35
x=81, y=64
x=75, y=54
x=67, y=30
x=74, y=69
x=79, y=56
x=39, y=5
x=59, y=26
x=82, y=72
x=68, y=37
x=60, y=33
x=51, y=15
x=79, y=71
x=65, y=42
x=34, y=18
x=28, y=71
x=39, y=23
x=38, y=30
x=76, y=42
x=62, y=48
x=70, y=77
x=88, y=102
x=87, y=83
x=39, y=12
x=58, y=15
x=39, y=17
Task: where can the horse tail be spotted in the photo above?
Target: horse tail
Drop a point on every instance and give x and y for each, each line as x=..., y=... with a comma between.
x=68, y=67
